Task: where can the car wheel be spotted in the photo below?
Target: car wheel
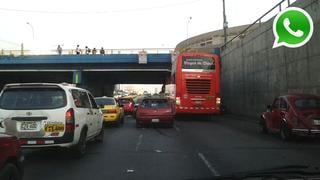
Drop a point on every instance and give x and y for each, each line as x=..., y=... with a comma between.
x=100, y=136
x=263, y=126
x=10, y=172
x=285, y=133
x=81, y=148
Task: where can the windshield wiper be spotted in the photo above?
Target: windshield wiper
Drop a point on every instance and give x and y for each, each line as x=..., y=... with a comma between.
x=281, y=172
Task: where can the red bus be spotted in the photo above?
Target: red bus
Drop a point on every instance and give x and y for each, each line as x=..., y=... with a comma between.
x=195, y=83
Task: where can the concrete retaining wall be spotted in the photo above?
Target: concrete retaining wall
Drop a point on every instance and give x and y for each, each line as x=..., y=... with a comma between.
x=253, y=73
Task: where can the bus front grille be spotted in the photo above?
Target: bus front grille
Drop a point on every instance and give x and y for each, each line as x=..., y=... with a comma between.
x=198, y=86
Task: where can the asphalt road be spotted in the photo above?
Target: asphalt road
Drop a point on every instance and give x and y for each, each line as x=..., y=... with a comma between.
x=194, y=148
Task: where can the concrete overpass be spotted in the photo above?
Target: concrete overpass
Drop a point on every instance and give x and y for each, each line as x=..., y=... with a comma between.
x=97, y=73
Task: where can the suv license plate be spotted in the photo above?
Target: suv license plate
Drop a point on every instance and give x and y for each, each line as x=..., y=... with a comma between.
x=28, y=126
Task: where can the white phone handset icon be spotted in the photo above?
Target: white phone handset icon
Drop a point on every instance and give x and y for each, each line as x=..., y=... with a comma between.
x=286, y=24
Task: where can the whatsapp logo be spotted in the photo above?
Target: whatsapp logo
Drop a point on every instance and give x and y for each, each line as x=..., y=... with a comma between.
x=292, y=27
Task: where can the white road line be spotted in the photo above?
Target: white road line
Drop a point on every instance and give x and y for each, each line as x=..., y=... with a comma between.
x=139, y=142
x=207, y=163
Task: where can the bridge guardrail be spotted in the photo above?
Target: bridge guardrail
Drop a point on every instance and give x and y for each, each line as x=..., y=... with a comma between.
x=22, y=52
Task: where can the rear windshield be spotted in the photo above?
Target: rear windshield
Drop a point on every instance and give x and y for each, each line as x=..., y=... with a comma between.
x=138, y=100
x=198, y=63
x=105, y=101
x=158, y=103
x=124, y=101
x=33, y=98
x=307, y=103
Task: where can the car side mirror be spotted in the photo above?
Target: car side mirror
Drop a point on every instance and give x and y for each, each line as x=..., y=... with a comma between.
x=269, y=107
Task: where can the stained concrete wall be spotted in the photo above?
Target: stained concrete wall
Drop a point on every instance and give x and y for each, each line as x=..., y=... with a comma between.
x=253, y=73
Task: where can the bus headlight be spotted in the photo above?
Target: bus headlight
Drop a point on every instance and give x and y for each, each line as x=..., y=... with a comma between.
x=178, y=102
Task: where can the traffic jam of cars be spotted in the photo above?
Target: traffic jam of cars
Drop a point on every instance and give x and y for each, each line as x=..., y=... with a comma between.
x=41, y=115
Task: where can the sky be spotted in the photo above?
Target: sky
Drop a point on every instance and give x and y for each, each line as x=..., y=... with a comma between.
x=117, y=24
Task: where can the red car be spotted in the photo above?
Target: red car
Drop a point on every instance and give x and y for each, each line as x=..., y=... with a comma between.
x=11, y=158
x=128, y=105
x=155, y=111
x=295, y=114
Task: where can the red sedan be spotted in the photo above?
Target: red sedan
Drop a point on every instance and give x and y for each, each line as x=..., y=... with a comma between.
x=296, y=114
x=128, y=105
x=155, y=111
x=10, y=158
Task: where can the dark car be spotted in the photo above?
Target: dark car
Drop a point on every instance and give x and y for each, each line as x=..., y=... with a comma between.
x=296, y=114
x=155, y=111
x=128, y=105
x=11, y=158
x=137, y=101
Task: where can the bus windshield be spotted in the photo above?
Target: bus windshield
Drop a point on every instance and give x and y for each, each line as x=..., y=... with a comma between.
x=198, y=63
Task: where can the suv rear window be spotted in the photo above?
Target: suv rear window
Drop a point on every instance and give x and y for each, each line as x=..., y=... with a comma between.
x=33, y=98
x=155, y=103
x=124, y=101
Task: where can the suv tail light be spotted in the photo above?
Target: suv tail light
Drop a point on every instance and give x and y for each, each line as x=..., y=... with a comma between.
x=70, y=120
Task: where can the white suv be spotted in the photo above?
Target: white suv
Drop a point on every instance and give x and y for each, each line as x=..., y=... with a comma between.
x=45, y=114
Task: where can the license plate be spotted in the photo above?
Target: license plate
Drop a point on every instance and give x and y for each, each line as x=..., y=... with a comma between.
x=54, y=128
x=316, y=122
x=28, y=126
x=155, y=120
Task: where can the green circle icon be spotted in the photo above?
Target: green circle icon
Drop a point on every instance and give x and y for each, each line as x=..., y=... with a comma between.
x=292, y=27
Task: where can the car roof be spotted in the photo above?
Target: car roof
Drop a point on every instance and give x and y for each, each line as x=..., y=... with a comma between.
x=300, y=95
x=61, y=85
x=104, y=97
x=155, y=99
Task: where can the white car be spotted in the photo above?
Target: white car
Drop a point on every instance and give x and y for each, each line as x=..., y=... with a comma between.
x=46, y=115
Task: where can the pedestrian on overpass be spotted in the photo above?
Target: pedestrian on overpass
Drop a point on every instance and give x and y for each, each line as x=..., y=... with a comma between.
x=59, y=49
x=102, y=51
x=78, y=50
x=94, y=51
x=87, y=50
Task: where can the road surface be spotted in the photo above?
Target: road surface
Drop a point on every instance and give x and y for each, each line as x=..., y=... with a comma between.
x=194, y=148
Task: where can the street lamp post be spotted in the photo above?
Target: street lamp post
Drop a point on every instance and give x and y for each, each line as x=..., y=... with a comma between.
x=189, y=19
x=31, y=29
x=225, y=23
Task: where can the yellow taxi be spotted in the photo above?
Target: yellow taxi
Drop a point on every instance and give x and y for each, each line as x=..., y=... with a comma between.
x=112, y=111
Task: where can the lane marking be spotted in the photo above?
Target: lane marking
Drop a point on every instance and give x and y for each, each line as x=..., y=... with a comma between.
x=177, y=128
x=207, y=163
x=139, y=142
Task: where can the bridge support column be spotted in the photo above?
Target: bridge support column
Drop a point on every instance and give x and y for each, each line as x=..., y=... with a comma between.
x=77, y=77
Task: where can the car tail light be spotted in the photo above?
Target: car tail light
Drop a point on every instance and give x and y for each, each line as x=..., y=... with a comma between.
x=70, y=120
x=178, y=101
x=111, y=111
x=218, y=101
